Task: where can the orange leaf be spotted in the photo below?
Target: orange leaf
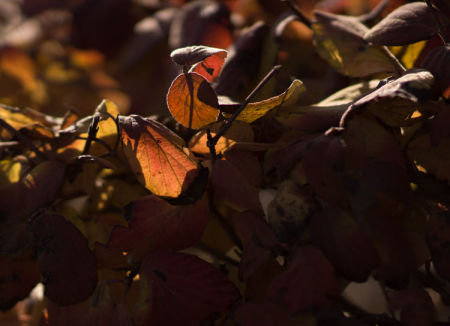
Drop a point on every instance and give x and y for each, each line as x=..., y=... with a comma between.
x=157, y=156
x=192, y=101
x=211, y=67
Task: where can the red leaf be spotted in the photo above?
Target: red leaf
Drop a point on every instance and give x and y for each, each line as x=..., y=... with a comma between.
x=185, y=290
x=68, y=267
x=17, y=279
x=307, y=281
x=211, y=67
x=343, y=242
x=156, y=224
x=157, y=156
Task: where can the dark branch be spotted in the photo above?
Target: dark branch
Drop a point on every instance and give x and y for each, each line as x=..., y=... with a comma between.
x=301, y=17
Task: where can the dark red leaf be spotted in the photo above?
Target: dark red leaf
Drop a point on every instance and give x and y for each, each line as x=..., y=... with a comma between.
x=416, y=306
x=438, y=63
x=184, y=289
x=341, y=239
x=17, y=279
x=438, y=237
x=155, y=224
x=407, y=24
x=262, y=314
x=308, y=280
x=68, y=267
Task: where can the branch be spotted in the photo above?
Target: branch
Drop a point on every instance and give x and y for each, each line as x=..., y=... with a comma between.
x=22, y=139
x=374, y=12
x=305, y=20
x=92, y=133
x=441, y=29
x=212, y=141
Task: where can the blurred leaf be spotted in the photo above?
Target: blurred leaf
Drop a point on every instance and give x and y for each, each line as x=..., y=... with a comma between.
x=67, y=266
x=407, y=24
x=17, y=278
x=415, y=305
x=157, y=156
x=339, y=40
x=307, y=280
x=192, y=101
x=438, y=236
x=438, y=63
x=185, y=290
x=239, y=132
x=408, y=54
x=262, y=314
x=154, y=224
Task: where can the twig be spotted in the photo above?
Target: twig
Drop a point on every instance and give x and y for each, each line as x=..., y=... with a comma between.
x=21, y=138
x=441, y=29
x=212, y=141
x=92, y=133
x=374, y=12
x=305, y=20
x=398, y=65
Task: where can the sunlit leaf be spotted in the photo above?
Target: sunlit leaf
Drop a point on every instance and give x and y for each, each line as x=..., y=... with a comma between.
x=185, y=290
x=238, y=132
x=67, y=266
x=254, y=111
x=408, y=54
x=339, y=40
x=192, y=101
x=154, y=224
x=157, y=156
x=211, y=67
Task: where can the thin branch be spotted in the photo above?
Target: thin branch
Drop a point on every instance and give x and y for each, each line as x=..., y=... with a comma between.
x=22, y=139
x=441, y=29
x=305, y=20
x=398, y=65
x=92, y=133
x=374, y=13
x=212, y=141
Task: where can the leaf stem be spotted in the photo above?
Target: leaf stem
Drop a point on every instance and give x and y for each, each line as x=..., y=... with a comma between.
x=440, y=27
x=22, y=139
x=212, y=141
x=305, y=20
x=398, y=65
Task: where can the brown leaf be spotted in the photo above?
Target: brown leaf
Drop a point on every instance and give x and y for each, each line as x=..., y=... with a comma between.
x=67, y=266
x=157, y=156
x=185, y=290
x=154, y=224
x=308, y=280
x=192, y=101
x=407, y=24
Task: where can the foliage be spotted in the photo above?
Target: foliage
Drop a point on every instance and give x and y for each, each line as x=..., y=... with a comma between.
x=228, y=211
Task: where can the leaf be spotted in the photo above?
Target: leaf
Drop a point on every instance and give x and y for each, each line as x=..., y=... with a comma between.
x=438, y=236
x=154, y=224
x=17, y=278
x=258, y=242
x=67, y=266
x=185, y=290
x=254, y=111
x=438, y=63
x=308, y=280
x=157, y=156
x=191, y=55
x=342, y=240
x=416, y=306
x=339, y=40
x=239, y=132
x=192, y=101
x=408, y=54
x=262, y=314
x=211, y=67
x=407, y=24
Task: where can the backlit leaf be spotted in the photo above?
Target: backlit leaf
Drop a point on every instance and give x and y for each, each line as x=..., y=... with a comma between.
x=254, y=111
x=157, y=156
x=211, y=67
x=407, y=24
x=185, y=290
x=192, y=101
x=154, y=224
x=239, y=132
x=67, y=266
